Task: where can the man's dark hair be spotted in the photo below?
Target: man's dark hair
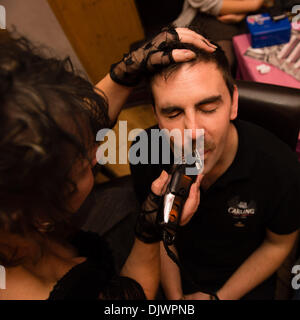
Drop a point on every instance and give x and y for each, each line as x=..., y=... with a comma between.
x=49, y=117
x=217, y=57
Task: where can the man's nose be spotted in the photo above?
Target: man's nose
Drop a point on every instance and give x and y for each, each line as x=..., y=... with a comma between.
x=192, y=125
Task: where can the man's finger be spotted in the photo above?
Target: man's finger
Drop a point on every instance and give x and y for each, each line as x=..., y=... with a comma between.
x=199, y=179
x=189, y=36
x=190, y=207
x=182, y=55
x=192, y=202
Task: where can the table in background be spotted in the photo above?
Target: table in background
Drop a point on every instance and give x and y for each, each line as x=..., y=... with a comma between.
x=247, y=70
x=247, y=66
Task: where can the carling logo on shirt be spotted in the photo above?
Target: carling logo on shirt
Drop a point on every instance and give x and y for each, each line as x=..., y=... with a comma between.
x=241, y=210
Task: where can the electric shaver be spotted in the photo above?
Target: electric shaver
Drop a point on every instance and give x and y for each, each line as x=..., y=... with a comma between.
x=175, y=197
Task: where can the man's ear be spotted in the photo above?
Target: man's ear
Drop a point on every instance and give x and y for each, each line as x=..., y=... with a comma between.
x=234, y=104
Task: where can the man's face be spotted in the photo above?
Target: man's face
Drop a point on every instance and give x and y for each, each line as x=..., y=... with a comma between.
x=196, y=97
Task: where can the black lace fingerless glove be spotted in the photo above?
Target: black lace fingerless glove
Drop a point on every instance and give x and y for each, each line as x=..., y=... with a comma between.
x=147, y=228
x=138, y=63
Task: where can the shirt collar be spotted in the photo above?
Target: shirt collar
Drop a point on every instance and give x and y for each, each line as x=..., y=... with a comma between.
x=243, y=163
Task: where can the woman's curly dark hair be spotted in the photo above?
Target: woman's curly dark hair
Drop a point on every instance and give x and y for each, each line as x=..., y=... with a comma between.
x=49, y=117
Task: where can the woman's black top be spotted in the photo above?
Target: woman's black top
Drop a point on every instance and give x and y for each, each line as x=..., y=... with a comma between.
x=94, y=278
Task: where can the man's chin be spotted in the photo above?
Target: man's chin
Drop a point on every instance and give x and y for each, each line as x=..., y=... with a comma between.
x=208, y=164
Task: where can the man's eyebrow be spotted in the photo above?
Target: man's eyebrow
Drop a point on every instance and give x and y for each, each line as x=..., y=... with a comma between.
x=217, y=98
x=170, y=109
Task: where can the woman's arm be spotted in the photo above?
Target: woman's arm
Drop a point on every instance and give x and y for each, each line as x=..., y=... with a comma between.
x=143, y=263
x=116, y=95
x=232, y=18
x=170, y=275
x=236, y=7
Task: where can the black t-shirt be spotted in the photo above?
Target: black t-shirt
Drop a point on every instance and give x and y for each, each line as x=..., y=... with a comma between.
x=259, y=190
